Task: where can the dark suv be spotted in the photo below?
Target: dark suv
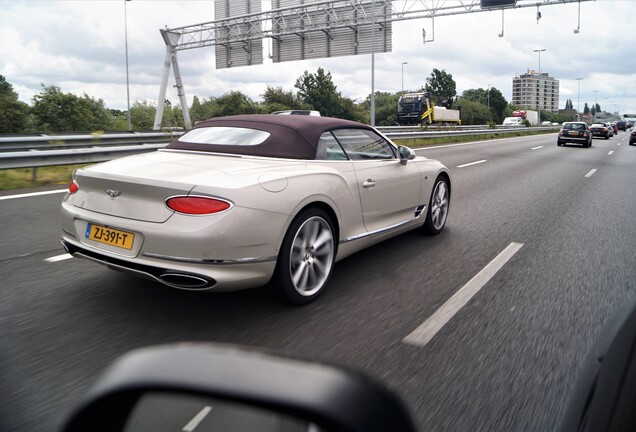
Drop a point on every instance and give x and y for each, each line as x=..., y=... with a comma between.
x=621, y=125
x=575, y=132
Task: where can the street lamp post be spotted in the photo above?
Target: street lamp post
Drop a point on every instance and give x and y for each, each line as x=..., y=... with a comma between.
x=372, y=101
x=539, y=84
x=403, y=63
x=595, y=103
x=127, y=80
x=578, y=102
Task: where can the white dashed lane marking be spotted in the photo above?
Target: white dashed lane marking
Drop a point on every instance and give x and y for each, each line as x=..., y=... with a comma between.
x=471, y=163
x=429, y=328
x=58, y=258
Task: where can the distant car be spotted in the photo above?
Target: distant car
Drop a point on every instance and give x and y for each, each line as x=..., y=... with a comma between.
x=242, y=200
x=632, y=137
x=601, y=130
x=621, y=125
x=546, y=123
x=298, y=112
x=575, y=133
x=614, y=128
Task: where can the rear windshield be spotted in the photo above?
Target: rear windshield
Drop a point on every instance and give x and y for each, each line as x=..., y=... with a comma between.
x=225, y=136
x=574, y=126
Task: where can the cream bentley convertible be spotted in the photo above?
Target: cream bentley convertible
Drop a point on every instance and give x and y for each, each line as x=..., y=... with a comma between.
x=241, y=201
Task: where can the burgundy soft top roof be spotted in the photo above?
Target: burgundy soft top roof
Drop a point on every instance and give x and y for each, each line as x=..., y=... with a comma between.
x=291, y=136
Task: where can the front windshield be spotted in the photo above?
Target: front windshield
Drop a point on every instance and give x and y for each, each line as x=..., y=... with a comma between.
x=409, y=106
x=481, y=326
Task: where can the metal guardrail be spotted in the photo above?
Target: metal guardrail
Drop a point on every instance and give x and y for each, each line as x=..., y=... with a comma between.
x=15, y=143
x=42, y=158
x=464, y=132
x=51, y=150
x=21, y=151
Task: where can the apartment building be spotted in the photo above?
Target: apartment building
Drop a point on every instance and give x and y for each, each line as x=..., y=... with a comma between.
x=532, y=90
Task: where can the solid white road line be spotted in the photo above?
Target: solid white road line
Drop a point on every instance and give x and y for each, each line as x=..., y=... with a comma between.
x=192, y=424
x=536, y=148
x=59, y=258
x=472, y=163
x=429, y=328
x=32, y=194
x=591, y=173
x=610, y=153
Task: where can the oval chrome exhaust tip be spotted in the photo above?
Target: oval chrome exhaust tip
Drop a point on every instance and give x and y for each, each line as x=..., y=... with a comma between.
x=185, y=281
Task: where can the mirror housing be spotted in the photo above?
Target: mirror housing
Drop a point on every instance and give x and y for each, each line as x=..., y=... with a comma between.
x=406, y=154
x=604, y=395
x=332, y=398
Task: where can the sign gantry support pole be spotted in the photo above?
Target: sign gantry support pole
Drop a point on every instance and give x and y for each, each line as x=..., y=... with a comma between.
x=171, y=40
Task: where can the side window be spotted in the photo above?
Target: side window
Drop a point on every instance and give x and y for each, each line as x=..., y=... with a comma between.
x=362, y=144
x=329, y=149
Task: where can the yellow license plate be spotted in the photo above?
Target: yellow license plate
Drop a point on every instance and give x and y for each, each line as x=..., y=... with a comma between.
x=573, y=133
x=113, y=237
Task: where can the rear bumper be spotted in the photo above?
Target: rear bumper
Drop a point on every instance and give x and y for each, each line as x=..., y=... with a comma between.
x=174, y=278
x=187, y=276
x=600, y=134
x=573, y=140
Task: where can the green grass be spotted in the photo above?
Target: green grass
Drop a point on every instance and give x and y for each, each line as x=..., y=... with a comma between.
x=22, y=178
x=426, y=142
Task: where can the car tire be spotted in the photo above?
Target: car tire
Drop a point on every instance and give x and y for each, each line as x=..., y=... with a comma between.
x=559, y=143
x=439, y=203
x=306, y=257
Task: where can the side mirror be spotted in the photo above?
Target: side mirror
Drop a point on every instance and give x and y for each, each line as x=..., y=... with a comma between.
x=406, y=154
x=604, y=395
x=229, y=389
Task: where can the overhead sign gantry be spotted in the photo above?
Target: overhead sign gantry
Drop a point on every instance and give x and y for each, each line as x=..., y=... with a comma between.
x=304, y=29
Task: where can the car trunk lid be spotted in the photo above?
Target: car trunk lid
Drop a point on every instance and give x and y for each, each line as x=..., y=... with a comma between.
x=135, y=187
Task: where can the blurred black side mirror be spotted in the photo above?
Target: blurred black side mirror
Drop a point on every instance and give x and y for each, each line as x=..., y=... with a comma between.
x=604, y=396
x=235, y=385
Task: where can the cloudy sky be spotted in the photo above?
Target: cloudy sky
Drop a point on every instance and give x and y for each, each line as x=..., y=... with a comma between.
x=79, y=46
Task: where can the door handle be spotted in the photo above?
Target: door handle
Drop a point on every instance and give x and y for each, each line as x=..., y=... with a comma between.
x=369, y=183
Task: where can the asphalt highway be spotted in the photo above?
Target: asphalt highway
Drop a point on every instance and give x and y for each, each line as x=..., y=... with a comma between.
x=503, y=361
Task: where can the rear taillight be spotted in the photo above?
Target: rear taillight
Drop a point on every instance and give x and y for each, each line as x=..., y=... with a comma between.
x=197, y=205
x=73, y=187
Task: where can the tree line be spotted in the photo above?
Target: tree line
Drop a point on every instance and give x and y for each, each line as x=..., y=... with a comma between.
x=53, y=110
x=596, y=108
